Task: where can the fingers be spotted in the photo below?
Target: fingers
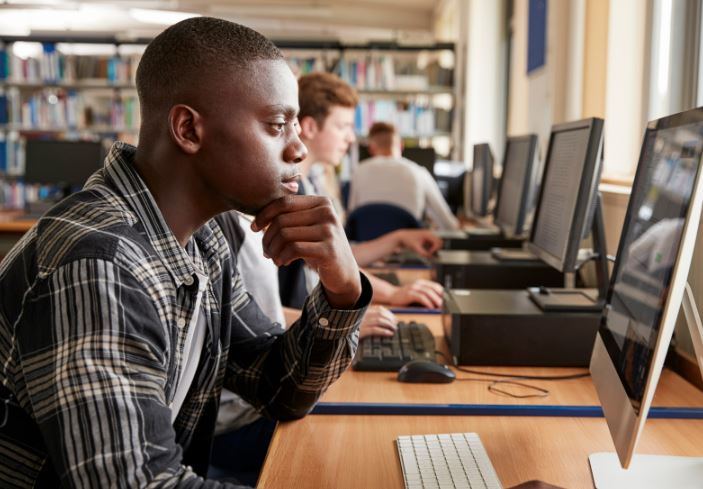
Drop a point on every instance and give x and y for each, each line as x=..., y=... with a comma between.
x=301, y=230
x=434, y=244
x=422, y=241
x=378, y=321
x=284, y=205
x=419, y=248
x=428, y=294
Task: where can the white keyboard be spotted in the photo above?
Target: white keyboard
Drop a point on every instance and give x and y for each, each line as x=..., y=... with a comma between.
x=456, y=460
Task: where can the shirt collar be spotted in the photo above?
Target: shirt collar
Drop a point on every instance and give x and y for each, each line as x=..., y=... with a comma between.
x=120, y=171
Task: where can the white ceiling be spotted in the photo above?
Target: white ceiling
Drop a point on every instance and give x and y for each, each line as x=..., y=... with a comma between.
x=357, y=21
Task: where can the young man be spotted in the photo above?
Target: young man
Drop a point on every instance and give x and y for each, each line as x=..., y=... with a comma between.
x=122, y=313
x=415, y=189
x=327, y=128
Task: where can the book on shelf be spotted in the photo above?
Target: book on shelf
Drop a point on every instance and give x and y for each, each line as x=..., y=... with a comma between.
x=410, y=119
x=368, y=72
x=56, y=67
x=11, y=155
x=53, y=108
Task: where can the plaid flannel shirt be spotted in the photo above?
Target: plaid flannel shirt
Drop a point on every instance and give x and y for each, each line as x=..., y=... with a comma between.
x=95, y=303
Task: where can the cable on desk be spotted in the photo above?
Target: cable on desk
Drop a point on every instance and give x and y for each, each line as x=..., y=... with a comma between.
x=514, y=376
x=495, y=385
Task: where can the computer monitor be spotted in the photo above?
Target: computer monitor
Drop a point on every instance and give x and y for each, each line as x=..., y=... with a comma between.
x=568, y=196
x=66, y=164
x=481, y=180
x=517, y=184
x=649, y=280
x=425, y=157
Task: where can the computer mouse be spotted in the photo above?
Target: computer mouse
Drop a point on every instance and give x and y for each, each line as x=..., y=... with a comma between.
x=425, y=371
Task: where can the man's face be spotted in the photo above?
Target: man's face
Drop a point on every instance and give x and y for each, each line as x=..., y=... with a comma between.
x=330, y=142
x=250, y=144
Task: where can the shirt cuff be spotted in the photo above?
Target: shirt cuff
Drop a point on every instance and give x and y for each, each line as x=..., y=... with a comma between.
x=331, y=324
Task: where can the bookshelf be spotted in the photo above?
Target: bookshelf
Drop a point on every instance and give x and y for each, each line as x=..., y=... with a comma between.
x=62, y=88
x=84, y=88
x=411, y=86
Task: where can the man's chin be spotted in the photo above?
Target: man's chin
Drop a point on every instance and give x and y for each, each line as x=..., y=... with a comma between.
x=254, y=209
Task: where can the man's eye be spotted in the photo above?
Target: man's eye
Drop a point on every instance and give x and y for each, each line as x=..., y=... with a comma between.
x=278, y=126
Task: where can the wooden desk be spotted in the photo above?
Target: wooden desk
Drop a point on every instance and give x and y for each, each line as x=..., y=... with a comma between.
x=11, y=230
x=380, y=387
x=358, y=451
x=353, y=451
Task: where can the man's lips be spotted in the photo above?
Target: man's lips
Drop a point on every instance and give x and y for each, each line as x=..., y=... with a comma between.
x=292, y=183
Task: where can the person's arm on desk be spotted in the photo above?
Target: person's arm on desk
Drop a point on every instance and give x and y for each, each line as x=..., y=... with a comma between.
x=422, y=241
x=423, y=292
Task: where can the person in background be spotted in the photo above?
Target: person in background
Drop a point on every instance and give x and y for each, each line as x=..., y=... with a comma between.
x=327, y=129
x=414, y=189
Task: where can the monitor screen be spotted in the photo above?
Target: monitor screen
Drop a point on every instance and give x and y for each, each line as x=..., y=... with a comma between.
x=569, y=189
x=515, y=184
x=649, y=279
x=68, y=163
x=424, y=157
x=649, y=247
x=481, y=179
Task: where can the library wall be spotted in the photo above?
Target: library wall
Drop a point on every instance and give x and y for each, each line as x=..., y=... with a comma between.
x=53, y=90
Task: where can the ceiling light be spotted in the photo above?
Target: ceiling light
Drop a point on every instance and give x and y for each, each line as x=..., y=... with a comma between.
x=162, y=17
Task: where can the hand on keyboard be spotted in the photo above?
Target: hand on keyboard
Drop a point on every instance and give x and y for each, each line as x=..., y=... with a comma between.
x=423, y=292
x=411, y=341
x=378, y=321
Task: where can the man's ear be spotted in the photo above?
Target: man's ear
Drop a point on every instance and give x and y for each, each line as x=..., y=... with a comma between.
x=186, y=128
x=308, y=127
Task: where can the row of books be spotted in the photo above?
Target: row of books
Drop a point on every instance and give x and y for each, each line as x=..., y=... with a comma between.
x=55, y=67
x=369, y=72
x=409, y=119
x=11, y=155
x=15, y=194
x=303, y=66
x=68, y=109
x=389, y=73
x=12, y=195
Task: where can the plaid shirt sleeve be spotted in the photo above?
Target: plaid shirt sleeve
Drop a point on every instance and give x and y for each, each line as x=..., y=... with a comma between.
x=284, y=374
x=96, y=379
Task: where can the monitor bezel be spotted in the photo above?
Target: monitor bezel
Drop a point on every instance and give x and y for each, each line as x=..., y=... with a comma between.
x=487, y=180
x=57, y=143
x=588, y=190
x=624, y=423
x=508, y=230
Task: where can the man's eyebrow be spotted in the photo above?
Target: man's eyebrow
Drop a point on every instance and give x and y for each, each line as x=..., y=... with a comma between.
x=288, y=110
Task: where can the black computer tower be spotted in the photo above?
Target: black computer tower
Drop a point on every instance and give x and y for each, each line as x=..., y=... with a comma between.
x=504, y=327
x=462, y=240
x=456, y=269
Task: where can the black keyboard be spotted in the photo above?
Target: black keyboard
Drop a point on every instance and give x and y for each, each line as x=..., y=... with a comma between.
x=390, y=277
x=412, y=341
x=409, y=259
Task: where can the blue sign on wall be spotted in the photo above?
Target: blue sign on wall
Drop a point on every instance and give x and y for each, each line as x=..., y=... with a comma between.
x=537, y=35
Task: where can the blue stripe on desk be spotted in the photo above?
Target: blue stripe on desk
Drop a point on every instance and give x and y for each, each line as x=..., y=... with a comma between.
x=491, y=410
x=414, y=310
x=399, y=266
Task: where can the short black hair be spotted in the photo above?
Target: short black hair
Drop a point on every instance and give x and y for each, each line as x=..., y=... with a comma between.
x=192, y=51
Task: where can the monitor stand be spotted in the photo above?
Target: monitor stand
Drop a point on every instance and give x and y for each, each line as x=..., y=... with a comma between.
x=578, y=299
x=655, y=471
